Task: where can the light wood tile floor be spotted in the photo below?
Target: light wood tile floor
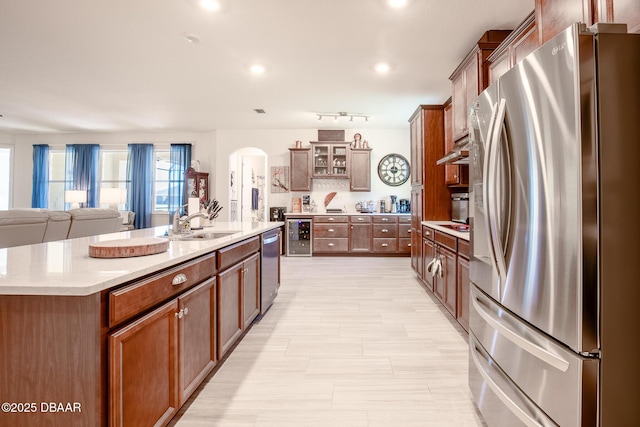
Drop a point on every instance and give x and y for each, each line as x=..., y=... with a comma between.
x=348, y=342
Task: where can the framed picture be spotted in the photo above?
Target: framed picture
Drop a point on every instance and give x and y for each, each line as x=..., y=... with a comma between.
x=279, y=179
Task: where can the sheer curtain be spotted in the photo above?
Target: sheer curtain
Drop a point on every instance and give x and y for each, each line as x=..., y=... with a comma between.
x=140, y=168
x=180, y=159
x=40, y=181
x=82, y=165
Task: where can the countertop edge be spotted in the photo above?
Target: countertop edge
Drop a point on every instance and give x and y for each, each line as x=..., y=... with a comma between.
x=22, y=282
x=437, y=225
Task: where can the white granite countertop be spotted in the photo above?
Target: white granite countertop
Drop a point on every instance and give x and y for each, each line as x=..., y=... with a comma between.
x=438, y=225
x=65, y=268
x=310, y=214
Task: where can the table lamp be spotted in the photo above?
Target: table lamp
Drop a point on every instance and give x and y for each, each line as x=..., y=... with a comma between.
x=75, y=197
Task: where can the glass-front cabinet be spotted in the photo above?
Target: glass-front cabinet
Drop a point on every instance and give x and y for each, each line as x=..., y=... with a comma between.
x=330, y=160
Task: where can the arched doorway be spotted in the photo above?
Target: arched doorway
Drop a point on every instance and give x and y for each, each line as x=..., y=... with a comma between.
x=247, y=186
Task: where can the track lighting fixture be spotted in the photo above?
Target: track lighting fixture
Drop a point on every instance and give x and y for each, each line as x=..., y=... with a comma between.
x=336, y=116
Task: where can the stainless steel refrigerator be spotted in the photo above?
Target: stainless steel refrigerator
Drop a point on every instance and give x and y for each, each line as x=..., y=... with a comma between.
x=555, y=282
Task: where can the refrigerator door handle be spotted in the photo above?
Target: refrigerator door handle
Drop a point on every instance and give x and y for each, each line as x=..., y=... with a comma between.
x=514, y=337
x=495, y=222
x=485, y=371
x=485, y=187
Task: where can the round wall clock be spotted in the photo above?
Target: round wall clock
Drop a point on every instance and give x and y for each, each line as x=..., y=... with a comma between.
x=394, y=169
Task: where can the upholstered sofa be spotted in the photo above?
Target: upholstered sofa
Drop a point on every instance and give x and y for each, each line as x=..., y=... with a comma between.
x=28, y=226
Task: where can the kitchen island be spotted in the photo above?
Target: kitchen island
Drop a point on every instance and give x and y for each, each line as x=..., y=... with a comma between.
x=121, y=341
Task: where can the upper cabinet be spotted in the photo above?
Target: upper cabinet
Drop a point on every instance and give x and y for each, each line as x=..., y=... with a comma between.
x=521, y=42
x=472, y=77
x=300, y=160
x=330, y=160
x=360, y=168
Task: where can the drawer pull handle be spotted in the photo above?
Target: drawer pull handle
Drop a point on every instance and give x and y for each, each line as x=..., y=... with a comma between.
x=186, y=311
x=384, y=245
x=179, y=279
x=384, y=230
x=385, y=219
x=428, y=233
x=331, y=230
x=409, y=245
x=330, y=219
x=245, y=271
x=360, y=219
x=330, y=244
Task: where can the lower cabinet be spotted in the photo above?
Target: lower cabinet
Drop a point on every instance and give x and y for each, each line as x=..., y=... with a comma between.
x=238, y=301
x=445, y=266
x=157, y=361
x=359, y=233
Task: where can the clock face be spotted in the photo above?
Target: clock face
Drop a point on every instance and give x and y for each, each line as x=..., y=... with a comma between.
x=393, y=169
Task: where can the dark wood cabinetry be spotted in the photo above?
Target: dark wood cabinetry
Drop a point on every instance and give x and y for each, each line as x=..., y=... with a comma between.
x=300, y=169
x=197, y=332
x=196, y=185
x=330, y=160
x=250, y=289
x=521, y=42
x=360, y=170
x=359, y=233
x=385, y=233
x=472, y=77
x=463, y=284
x=143, y=369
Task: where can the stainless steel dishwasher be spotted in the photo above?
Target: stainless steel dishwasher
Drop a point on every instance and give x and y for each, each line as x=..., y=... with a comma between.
x=270, y=279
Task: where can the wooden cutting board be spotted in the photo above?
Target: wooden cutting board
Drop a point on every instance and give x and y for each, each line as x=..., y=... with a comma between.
x=124, y=248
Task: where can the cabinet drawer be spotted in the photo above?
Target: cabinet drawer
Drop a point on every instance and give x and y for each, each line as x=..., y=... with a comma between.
x=385, y=219
x=359, y=219
x=331, y=218
x=331, y=230
x=463, y=248
x=384, y=230
x=427, y=232
x=133, y=299
x=404, y=230
x=404, y=245
x=330, y=245
x=446, y=240
x=404, y=219
x=232, y=254
x=385, y=245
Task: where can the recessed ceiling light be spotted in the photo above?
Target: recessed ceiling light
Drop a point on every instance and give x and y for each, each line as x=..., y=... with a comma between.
x=382, y=68
x=191, y=38
x=210, y=4
x=257, y=69
x=397, y=4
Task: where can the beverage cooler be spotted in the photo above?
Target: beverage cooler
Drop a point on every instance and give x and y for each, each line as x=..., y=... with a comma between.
x=299, y=237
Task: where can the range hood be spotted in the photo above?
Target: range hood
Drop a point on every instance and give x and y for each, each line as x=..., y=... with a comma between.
x=459, y=154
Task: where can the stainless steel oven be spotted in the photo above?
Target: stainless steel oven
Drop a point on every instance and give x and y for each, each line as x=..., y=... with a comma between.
x=460, y=207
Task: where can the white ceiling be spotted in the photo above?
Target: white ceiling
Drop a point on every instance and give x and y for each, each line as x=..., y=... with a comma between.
x=124, y=66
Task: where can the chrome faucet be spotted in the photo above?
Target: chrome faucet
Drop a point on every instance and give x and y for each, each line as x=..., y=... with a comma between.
x=182, y=225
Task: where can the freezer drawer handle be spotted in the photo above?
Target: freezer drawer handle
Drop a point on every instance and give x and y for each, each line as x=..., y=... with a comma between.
x=500, y=394
x=524, y=344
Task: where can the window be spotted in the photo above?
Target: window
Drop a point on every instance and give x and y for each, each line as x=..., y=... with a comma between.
x=5, y=177
x=113, y=172
x=56, y=179
x=161, y=180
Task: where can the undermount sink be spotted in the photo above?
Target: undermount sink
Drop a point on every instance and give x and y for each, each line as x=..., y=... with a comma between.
x=207, y=236
x=200, y=236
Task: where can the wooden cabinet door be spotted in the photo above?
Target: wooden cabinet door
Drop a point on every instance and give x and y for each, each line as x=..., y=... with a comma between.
x=416, y=230
x=451, y=172
x=553, y=16
x=463, y=292
x=428, y=254
x=143, y=367
x=360, y=237
x=197, y=326
x=459, y=103
x=230, y=321
x=300, y=162
x=416, y=127
x=449, y=279
x=250, y=289
x=360, y=170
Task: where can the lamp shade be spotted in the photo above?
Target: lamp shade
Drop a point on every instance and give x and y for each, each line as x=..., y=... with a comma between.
x=113, y=196
x=75, y=196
